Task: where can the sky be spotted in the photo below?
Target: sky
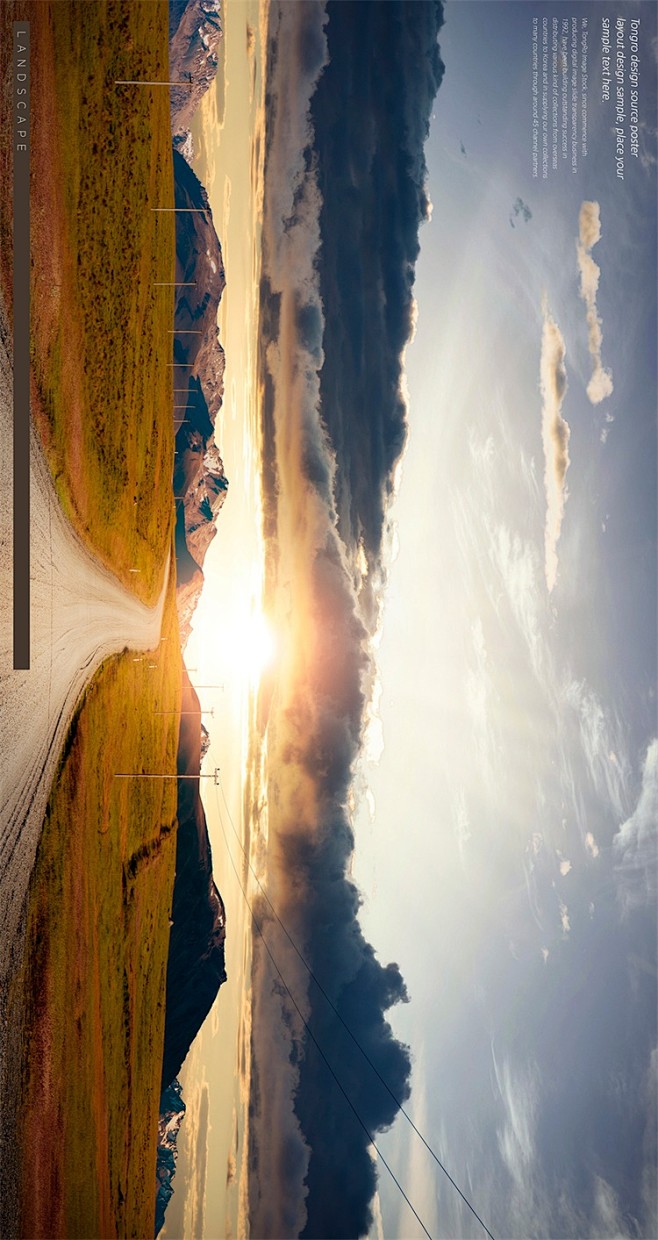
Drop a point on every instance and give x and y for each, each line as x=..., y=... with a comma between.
x=461, y=572
x=225, y=648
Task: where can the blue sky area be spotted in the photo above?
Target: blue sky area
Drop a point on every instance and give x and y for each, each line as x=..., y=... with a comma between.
x=512, y=827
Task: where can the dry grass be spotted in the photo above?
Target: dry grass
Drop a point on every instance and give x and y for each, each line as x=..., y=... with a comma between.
x=93, y=981
x=96, y=956
x=100, y=330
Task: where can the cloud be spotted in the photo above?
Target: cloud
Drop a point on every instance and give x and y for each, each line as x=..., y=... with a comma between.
x=415, y=1170
x=589, y=224
x=333, y=328
x=552, y=1191
x=603, y=744
x=377, y=1229
x=461, y=822
x=650, y=1150
x=518, y=1086
x=520, y=208
x=200, y=1165
x=607, y=1218
x=373, y=181
x=555, y=438
x=564, y=1154
x=591, y=845
x=600, y=384
x=303, y=473
x=635, y=844
x=519, y=568
x=186, y=1209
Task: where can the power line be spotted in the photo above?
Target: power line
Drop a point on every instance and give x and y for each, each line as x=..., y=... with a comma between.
x=163, y=775
x=313, y=1037
x=347, y=1028
x=136, y=82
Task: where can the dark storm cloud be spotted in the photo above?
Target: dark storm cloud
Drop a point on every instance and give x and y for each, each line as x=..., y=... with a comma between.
x=310, y=327
x=347, y=115
x=361, y=991
x=322, y=905
x=383, y=59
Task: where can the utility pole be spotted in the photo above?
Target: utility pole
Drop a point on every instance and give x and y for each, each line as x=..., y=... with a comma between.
x=138, y=82
x=164, y=775
x=185, y=712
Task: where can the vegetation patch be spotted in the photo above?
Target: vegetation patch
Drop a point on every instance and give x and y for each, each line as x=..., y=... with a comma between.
x=92, y=986
x=94, y=975
x=100, y=327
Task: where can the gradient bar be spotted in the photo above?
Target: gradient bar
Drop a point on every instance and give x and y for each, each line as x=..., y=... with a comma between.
x=21, y=151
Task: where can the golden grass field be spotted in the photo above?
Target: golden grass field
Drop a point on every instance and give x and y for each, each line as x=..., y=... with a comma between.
x=93, y=982
x=100, y=340
x=96, y=957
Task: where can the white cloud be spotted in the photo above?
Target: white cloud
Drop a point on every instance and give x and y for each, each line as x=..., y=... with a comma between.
x=377, y=1229
x=600, y=384
x=519, y=568
x=602, y=743
x=419, y=1174
x=650, y=1151
x=480, y=697
x=555, y=439
x=519, y=1092
x=607, y=1219
x=591, y=845
x=635, y=842
x=461, y=822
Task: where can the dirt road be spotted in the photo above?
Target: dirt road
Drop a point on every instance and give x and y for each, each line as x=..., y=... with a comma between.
x=80, y=615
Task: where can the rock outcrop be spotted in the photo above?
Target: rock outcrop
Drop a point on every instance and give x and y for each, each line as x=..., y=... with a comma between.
x=200, y=484
x=172, y=1112
x=195, y=30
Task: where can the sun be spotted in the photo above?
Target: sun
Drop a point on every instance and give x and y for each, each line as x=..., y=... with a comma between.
x=249, y=644
x=234, y=641
x=258, y=645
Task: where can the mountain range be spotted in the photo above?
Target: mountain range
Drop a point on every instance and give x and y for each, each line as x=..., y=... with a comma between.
x=195, y=968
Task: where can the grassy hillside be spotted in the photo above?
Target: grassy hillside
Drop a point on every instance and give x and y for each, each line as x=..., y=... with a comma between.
x=93, y=982
x=100, y=330
x=94, y=978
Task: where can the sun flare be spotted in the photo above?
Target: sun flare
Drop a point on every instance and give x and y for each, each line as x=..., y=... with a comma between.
x=252, y=644
x=259, y=644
